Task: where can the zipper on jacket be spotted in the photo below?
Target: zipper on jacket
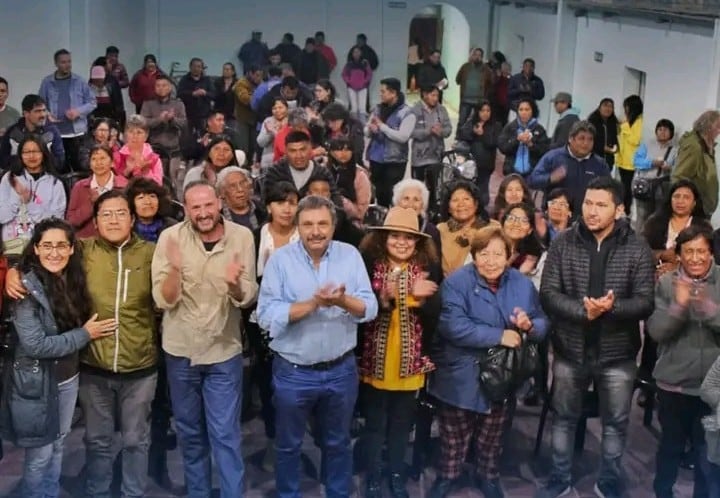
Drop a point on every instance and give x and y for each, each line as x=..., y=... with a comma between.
x=118, y=289
x=125, y=285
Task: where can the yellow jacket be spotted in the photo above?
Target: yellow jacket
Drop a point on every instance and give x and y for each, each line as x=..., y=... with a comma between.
x=243, y=91
x=629, y=139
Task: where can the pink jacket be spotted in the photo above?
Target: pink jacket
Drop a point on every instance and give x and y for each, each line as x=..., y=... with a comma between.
x=151, y=168
x=357, y=77
x=80, y=207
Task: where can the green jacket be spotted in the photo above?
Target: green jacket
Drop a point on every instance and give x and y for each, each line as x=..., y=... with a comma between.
x=120, y=286
x=696, y=162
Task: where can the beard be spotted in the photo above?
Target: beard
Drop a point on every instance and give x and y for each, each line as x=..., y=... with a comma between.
x=197, y=221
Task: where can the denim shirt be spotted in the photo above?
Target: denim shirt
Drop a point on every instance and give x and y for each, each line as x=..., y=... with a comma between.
x=81, y=98
x=290, y=277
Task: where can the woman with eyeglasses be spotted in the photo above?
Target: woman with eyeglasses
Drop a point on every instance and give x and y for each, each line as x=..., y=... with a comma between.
x=53, y=323
x=30, y=192
x=462, y=207
x=518, y=225
x=559, y=215
x=85, y=192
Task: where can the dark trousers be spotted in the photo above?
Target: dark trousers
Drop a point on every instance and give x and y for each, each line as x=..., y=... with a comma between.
x=384, y=176
x=72, y=155
x=330, y=396
x=680, y=420
x=389, y=416
x=615, y=385
x=428, y=174
x=206, y=401
x=248, y=136
x=626, y=177
x=648, y=357
x=500, y=113
x=483, y=183
x=160, y=414
x=465, y=111
x=261, y=376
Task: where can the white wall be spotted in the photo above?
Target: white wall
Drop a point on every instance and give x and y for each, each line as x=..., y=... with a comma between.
x=85, y=27
x=456, y=45
x=677, y=80
x=34, y=30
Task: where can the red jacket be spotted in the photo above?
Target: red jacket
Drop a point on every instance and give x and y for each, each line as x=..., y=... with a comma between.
x=80, y=207
x=142, y=86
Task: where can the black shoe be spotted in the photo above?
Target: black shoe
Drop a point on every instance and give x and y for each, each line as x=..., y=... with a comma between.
x=441, y=488
x=607, y=490
x=397, y=486
x=688, y=461
x=373, y=486
x=490, y=488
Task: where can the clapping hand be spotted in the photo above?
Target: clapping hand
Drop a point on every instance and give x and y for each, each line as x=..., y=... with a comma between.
x=330, y=295
x=234, y=271
x=558, y=174
x=423, y=288
x=521, y=320
x=173, y=254
x=22, y=191
x=597, y=306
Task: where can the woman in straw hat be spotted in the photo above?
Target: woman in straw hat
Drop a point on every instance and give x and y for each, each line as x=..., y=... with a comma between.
x=404, y=270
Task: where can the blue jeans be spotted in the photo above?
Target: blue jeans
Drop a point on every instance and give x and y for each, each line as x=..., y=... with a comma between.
x=41, y=475
x=206, y=402
x=330, y=396
x=615, y=385
x=103, y=398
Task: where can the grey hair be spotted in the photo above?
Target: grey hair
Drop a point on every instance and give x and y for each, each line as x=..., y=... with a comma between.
x=403, y=185
x=311, y=202
x=227, y=171
x=582, y=126
x=297, y=116
x=136, y=121
x=704, y=123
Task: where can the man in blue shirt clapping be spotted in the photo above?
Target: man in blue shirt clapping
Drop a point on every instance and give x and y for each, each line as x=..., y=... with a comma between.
x=313, y=295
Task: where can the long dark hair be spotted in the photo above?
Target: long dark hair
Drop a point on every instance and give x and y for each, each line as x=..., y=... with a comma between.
x=500, y=204
x=68, y=293
x=475, y=115
x=530, y=244
x=596, y=117
x=141, y=185
x=633, y=106
x=656, y=225
x=471, y=189
x=373, y=247
x=17, y=166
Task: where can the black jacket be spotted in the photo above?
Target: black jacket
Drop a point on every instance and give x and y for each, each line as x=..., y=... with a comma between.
x=508, y=145
x=16, y=134
x=196, y=107
x=225, y=99
x=430, y=74
x=115, y=110
x=630, y=273
x=482, y=147
x=312, y=66
x=367, y=54
x=606, y=133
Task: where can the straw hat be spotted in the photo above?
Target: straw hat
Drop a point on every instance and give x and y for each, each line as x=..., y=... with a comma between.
x=400, y=219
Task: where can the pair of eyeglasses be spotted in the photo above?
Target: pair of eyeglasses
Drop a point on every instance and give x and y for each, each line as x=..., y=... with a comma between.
x=49, y=247
x=522, y=220
x=120, y=215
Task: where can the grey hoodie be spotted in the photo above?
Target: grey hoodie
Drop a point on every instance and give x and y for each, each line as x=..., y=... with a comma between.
x=688, y=337
x=562, y=128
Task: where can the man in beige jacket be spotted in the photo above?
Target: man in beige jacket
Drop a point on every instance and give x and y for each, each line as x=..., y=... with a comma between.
x=203, y=273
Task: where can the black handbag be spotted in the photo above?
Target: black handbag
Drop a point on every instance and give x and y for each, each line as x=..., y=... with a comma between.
x=503, y=370
x=644, y=188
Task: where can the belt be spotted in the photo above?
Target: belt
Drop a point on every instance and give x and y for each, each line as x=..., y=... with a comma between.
x=325, y=365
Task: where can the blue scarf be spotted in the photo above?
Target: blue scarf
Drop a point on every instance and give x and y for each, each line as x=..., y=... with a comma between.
x=151, y=232
x=522, y=156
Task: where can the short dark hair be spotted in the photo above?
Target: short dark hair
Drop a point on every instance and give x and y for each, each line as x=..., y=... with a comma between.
x=3, y=80
x=198, y=183
x=295, y=137
x=583, y=126
x=428, y=89
x=110, y=194
x=280, y=191
x=361, y=36
x=290, y=82
x=289, y=37
x=31, y=101
x=533, y=105
x=274, y=71
x=309, y=40
x=485, y=235
x=556, y=193
x=530, y=60
x=252, y=68
x=434, y=51
x=468, y=187
x=196, y=59
x=320, y=33
x=702, y=229
x=141, y=185
x=666, y=123
x=311, y=202
x=112, y=49
x=608, y=184
x=335, y=111
x=60, y=52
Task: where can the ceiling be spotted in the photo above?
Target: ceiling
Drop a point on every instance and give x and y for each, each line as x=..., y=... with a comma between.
x=702, y=11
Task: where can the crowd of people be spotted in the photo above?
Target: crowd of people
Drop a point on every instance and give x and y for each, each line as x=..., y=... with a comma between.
x=146, y=256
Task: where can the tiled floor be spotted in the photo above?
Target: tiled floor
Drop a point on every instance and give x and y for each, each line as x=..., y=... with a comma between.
x=520, y=470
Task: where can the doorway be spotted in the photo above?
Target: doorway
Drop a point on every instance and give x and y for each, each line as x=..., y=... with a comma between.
x=446, y=28
x=634, y=82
